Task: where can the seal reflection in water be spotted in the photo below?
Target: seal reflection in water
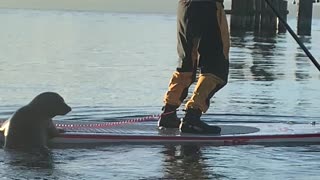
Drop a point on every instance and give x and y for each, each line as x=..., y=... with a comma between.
x=31, y=126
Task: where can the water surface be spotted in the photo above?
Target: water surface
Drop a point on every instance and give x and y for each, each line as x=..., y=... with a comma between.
x=112, y=66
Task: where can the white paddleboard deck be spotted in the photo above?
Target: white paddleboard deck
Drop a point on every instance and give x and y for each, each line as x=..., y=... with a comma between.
x=148, y=132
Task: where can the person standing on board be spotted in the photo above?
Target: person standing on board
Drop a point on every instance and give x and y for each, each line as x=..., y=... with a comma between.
x=203, y=42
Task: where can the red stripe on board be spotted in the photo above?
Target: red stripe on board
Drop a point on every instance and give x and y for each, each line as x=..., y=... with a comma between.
x=184, y=138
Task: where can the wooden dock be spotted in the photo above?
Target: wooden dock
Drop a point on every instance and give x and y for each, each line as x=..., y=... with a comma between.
x=246, y=15
x=257, y=16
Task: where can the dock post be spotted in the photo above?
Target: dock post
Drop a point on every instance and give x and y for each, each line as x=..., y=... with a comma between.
x=268, y=19
x=305, y=17
x=242, y=17
x=257, y=15
x=283, y=7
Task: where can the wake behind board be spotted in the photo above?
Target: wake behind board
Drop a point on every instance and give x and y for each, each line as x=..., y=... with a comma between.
x=147, y=132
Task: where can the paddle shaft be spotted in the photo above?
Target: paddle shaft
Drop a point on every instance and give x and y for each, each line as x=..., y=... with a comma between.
x=303, y=47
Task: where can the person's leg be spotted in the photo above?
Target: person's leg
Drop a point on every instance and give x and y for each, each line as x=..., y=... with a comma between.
x=177, y=91
x=214, y=66
x=182, y=78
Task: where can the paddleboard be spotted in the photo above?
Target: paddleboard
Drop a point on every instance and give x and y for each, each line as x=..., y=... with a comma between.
x=146, y=131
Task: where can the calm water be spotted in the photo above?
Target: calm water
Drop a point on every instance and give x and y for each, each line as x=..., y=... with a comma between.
x=117, y=66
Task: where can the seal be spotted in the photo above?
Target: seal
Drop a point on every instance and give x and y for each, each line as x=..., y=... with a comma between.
x=31, y=126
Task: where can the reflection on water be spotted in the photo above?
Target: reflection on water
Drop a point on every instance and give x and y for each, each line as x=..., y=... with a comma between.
x=270, y=74
x=184, y=161
x=268, y=55
x=111, y=66
x=24, y=165
x=187, y=162
x=28, y=159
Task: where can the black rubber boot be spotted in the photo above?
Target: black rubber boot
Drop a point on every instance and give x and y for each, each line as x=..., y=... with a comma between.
x=191, y=123
x=168, y=118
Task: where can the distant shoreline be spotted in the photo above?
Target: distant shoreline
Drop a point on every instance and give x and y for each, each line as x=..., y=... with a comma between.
x=125, y=6
x=121, y=6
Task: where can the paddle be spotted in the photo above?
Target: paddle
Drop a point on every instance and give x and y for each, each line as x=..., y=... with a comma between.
x=303, y=47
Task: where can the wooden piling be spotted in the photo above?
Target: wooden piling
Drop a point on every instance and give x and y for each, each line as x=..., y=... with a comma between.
x=268, y=18
x=257, y=15
x=305, y=17
x=242, y=17
x=283, y=10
